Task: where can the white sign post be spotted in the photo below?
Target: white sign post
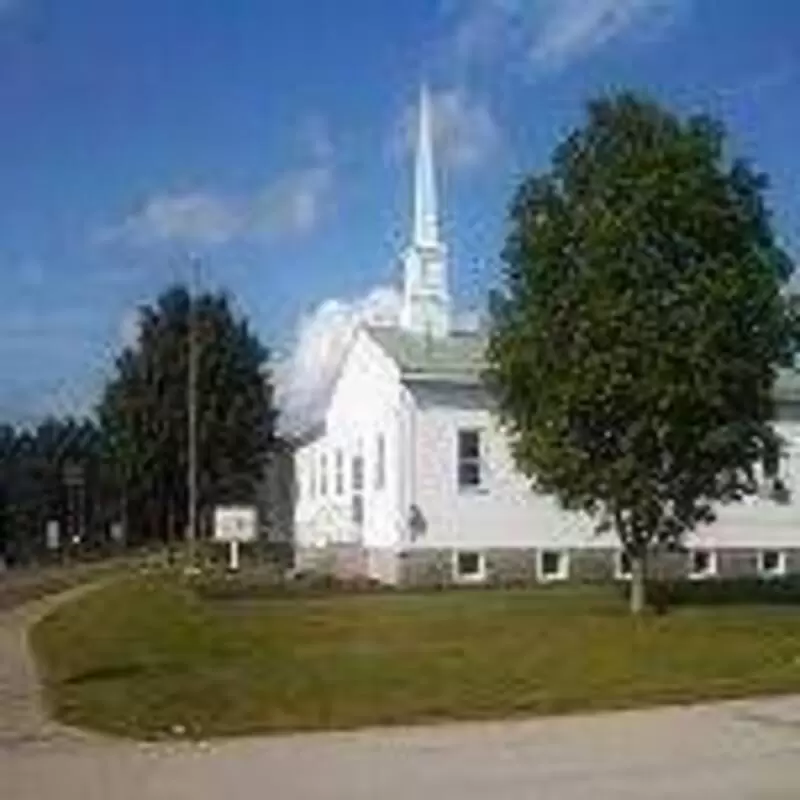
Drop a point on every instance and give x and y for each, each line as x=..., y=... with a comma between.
x=234, y=525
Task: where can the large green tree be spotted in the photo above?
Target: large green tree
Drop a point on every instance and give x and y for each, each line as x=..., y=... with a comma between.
x=636, y=332
x=144, y=412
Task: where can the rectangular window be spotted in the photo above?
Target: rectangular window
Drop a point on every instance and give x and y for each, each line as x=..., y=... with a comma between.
x=323, y=474
x=358, y=473
x=702, y=564
x=339, y=472
x=358, y=509
x=469, y=566
x=553, y=565
x=771, y=563
x=312, y=475
x=357, y=480
x=380, y=462
x=469, y=459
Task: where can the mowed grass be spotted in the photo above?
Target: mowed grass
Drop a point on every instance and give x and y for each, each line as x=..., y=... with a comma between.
x=148, y=658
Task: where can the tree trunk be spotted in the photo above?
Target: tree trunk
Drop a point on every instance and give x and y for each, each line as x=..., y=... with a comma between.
x=638, y=588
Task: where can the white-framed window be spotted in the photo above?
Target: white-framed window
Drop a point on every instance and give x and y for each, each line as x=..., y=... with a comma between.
x=469, y=566
x=312, y=475
x=469, y=458
x=357, y=481
x=358, y=509
x=771, y=563
x=622, y=566
x=553, y=565
x=702, y=563
x=380, y=461
x=339, y=472
x=357, y=474
x=323, y=474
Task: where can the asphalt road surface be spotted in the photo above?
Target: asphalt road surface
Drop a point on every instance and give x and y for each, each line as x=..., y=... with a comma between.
x=735, y=751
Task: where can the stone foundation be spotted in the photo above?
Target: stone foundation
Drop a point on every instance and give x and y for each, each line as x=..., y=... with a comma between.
x=342, y=560
x=349, y=561
x=433, y=567
x=518, y=566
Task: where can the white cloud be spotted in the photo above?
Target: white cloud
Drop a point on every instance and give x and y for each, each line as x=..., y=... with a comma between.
x=195, y=217
x=130, y=327
x=549, y=34
x=304, y=383
x=465, y=132
x=294, y=204
x=574, y=28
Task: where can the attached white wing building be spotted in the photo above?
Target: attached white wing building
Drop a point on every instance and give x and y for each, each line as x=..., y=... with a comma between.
x=408, y=478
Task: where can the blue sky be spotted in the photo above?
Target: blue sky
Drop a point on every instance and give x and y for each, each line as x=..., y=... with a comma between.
x=267, y=137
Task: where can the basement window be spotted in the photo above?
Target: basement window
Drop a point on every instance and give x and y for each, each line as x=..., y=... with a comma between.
x=771, y=563
x=469, y=565
x=553, y=565
x=702, y=564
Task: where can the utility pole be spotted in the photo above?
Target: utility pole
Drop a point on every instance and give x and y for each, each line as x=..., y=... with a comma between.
x=191, y=478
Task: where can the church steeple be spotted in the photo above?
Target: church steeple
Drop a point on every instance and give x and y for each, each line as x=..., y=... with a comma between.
x=426, y=301
x=426, y=221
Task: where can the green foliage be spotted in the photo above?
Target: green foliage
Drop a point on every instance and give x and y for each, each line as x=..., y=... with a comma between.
x=33, y=487
x=778, y=591
x=635, y=338
x=144, y=412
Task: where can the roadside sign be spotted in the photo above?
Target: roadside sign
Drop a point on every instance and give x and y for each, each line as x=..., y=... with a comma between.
x=234, y=525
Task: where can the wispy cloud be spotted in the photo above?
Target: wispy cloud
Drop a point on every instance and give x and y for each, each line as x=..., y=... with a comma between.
x=465, y=131
x=292, y=203
x=197, y=217
x=550, y=34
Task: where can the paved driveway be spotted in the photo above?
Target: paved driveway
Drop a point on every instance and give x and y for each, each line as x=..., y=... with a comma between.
x=744, y=750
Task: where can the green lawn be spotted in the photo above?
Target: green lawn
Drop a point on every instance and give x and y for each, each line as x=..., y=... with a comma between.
x=143, y=656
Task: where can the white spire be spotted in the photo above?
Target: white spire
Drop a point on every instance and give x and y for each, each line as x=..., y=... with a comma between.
x=426, y=301
x=426, y=221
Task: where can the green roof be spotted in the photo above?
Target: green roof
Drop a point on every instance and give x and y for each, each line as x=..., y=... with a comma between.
x=459, y=357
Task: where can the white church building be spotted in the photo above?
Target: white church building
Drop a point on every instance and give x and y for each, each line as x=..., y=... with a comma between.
x=407, y=477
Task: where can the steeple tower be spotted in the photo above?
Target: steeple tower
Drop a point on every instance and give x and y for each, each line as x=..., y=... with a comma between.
x=426, y=221
x=426, y=301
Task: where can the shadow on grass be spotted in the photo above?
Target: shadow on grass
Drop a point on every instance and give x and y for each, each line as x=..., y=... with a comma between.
x=113, y=672
x=778, y=591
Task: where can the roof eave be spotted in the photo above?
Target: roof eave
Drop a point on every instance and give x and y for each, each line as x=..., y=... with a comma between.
x=464, y=379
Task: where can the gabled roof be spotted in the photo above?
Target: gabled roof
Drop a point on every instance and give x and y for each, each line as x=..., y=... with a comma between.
x=459, y=358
